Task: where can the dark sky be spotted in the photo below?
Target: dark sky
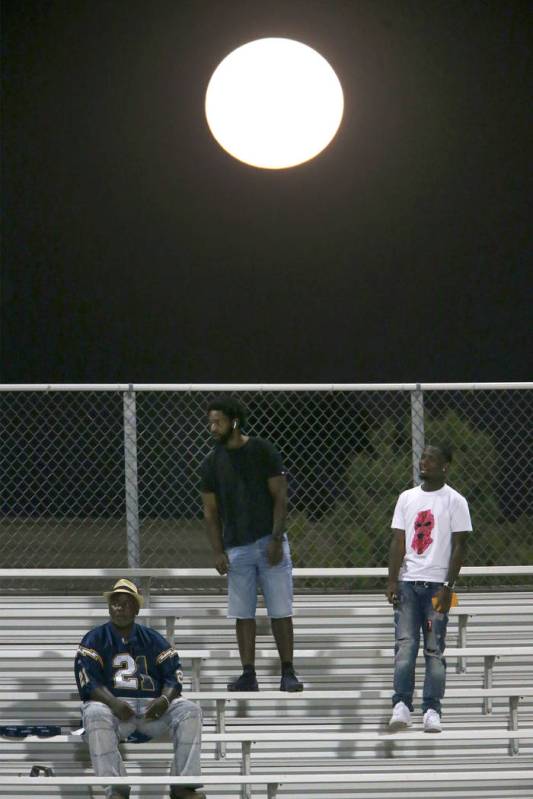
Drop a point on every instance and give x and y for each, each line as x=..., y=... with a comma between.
x=136, y=250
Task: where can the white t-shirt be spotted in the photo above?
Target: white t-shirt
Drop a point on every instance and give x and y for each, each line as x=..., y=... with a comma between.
x=429, y=519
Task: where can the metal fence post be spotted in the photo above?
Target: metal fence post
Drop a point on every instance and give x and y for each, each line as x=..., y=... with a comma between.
x=74, y=470
x=131, y=479
x=417, y=429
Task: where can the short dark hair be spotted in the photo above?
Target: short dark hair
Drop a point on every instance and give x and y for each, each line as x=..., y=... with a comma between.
x=230, y=407
x=445, y=450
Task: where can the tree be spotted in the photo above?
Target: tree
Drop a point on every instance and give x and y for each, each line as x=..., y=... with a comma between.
x=356, y=532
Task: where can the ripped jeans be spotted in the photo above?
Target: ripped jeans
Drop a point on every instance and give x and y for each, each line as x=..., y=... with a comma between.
x=182, y=723
x=414, y=613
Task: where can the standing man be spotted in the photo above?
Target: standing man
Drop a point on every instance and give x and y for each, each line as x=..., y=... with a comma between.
x=129, y=680
x=244, y=495
x=429, y=530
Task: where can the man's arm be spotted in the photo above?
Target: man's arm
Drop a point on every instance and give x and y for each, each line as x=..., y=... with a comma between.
x=168, y=664
x=161, y=703
x=457, y=557
x=278, y=491
x=396, y=556
x=214, y=530
x=443, y=598
x=118, y=707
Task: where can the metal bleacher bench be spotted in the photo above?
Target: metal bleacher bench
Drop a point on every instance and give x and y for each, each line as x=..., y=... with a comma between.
x=312, y=613
x=42, y=699
x=17, y=658
x=354, y=781
x=327, y=735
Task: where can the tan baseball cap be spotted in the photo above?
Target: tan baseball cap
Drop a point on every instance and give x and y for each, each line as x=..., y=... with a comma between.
x=124, y=586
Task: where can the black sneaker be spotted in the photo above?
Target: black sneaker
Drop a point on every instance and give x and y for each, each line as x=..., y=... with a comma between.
x=290, y=682
x=246, y=682
x=186, y=793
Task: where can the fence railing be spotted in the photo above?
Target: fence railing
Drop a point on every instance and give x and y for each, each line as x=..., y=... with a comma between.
x=151, y=581
x=107, y=476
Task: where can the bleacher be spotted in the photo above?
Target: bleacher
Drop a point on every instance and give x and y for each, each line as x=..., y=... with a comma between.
x=330, y=741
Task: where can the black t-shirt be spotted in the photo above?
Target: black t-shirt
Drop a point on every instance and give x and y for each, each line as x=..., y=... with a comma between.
x=239, y=479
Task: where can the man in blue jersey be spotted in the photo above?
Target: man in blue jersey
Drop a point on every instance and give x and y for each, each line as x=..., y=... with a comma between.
x=130, y=680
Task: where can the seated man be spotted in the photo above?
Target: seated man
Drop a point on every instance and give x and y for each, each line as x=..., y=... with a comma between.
x=129, y=679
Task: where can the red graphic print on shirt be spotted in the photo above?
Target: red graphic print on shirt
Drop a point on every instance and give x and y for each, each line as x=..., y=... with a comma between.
x=424, y=524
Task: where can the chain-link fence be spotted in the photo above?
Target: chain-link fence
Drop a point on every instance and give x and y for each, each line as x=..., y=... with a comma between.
x=105, y=477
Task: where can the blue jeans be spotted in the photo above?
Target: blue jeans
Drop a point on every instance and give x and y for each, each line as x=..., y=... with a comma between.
x=248, y=569
x=414, y=613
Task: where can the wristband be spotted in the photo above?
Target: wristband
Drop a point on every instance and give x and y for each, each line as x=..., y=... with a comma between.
x=449, y=584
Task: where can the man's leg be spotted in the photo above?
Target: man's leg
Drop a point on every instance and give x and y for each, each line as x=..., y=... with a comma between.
x=282, y=630
x=407, y=622
x=102, y=732
x=276, y=583
x=246, y=632
x=242, y=602
x=182, y=722
x=434, y=629
x=283, y=633
x=186, y=728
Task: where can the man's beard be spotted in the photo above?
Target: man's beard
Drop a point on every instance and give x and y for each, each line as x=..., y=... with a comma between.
x=224, y=438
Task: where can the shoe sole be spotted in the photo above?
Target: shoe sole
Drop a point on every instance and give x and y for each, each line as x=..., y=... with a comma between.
x=194, y=794
x=242, y=690
x=433, y=731
x=398, y=726
x=292, y=690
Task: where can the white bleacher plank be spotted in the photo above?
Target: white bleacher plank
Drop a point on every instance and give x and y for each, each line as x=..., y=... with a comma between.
x=348, y=651
x=281, y=778
x=211, y=573
x=346, y=641
x=283, y=696
x=194, y=611
x=323, y=735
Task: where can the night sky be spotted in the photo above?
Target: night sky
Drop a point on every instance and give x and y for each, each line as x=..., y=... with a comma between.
x=136, y=250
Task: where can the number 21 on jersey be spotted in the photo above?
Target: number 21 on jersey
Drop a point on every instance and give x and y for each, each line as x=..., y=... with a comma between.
x=130, y=674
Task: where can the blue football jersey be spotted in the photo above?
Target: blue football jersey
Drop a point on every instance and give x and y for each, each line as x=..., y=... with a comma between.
x=140, y=666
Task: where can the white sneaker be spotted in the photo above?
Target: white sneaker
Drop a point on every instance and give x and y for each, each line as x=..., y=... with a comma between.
x=432, y=721
x=401, y=717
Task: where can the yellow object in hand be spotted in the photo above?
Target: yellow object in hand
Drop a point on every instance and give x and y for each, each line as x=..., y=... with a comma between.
x=453, y=603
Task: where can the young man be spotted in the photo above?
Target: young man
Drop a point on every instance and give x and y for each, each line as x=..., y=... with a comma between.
x=244, y=494
x=429, y=530
x=129, y=680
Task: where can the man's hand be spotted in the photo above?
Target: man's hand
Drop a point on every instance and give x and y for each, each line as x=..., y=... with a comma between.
x=221, y=563
x=122, y=710
x=443, y=599
x=392, y=593
x=156, y=708
x=275, y=551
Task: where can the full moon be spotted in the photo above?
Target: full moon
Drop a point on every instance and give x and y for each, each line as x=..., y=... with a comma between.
x=274, y=103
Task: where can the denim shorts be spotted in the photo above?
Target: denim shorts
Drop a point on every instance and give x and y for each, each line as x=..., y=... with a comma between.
x=249, y=570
